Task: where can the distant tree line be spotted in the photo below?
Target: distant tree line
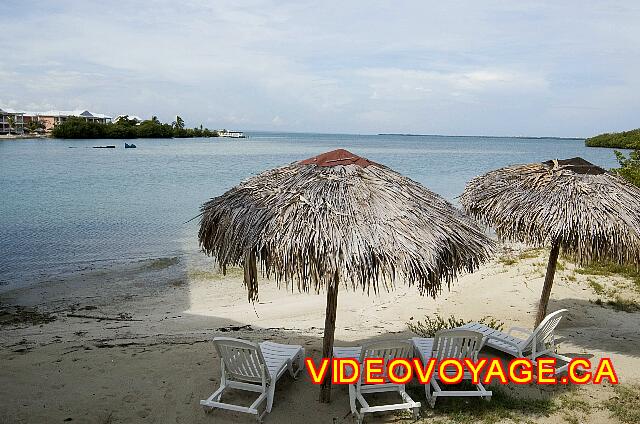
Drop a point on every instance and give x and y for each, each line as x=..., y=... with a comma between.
x=620, y=140
x=629, y=166
x=128, y=128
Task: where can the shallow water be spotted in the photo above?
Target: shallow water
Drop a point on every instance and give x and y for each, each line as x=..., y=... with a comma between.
x=66, y=207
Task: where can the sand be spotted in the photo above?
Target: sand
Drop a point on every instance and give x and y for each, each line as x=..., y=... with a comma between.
x=153, y=360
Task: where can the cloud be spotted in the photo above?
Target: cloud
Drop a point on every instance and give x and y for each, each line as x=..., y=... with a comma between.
x=393, y=84
x=361, y=66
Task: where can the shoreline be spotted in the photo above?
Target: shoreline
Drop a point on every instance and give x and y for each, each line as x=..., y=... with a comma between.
x=518, y=137
x=24, y=136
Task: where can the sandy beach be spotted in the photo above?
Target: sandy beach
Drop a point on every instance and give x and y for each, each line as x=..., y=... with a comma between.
x=152, y=361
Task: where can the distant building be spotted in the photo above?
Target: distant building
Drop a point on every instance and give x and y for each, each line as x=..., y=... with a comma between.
x=48, y=122
x=49, y=119
x=11, y=121
x=54, y=117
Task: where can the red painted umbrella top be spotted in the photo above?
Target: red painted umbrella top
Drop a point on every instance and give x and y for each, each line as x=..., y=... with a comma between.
x=337, y=157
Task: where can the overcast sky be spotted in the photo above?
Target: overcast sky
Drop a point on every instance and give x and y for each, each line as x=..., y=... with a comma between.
x=569, y=68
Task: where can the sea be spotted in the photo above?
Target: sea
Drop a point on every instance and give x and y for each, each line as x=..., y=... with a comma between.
x=66, y=206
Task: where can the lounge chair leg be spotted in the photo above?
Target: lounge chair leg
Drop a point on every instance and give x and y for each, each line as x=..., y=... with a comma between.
x=427, y=392
x=433, y=396
x=482, y=389
x=299, y=360
x=300, y=363
x=270, y=395
x=352, y=399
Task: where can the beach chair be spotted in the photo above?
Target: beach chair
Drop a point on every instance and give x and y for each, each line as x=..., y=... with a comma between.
x=539, y=343
x=455, y=344
x=253, y=367
x=387, y=349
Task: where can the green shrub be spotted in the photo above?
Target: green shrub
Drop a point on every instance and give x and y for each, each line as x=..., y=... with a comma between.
x=431, y=325
x=629, y=167
x=79, y=128
x=154, y=129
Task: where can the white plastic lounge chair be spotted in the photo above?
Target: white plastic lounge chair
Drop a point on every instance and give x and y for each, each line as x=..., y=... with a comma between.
x=253, y=367
x=456, y=344
x=388, y=349
x=539, y=342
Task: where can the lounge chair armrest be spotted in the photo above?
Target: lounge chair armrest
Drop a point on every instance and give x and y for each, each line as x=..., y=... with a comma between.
x=483, y=343
x=520, y=330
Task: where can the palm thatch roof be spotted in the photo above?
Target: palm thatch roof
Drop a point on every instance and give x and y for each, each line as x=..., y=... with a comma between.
x=340, y=218
x=591, y=213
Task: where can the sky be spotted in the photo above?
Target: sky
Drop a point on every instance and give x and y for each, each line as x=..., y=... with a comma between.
x=569, y=68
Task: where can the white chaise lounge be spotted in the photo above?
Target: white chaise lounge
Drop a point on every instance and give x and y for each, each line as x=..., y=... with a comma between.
x=539, y=343
x=456, y=344
x=253, y=367
x=387, y=349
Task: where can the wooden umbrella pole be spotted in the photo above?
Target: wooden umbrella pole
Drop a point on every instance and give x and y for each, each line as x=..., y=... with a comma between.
x=327, y=341
x=548, y=282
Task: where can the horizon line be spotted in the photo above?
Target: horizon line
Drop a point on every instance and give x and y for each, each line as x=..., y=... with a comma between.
x=419, y=135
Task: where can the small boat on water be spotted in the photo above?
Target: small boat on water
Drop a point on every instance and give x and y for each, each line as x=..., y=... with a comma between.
x=129, y=146
x=231, y=134
x=104, y=147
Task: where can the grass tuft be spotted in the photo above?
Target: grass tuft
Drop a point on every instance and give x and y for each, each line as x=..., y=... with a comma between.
x=162, y=263
x=619, y=304
x=625, y=305
x=624, y=404
x=431, y=325
x=527, y=254
x=503, y=406
x=596, y=287
x=573, y=403
x=508, y=260
x=205, y=274
x=611, y=268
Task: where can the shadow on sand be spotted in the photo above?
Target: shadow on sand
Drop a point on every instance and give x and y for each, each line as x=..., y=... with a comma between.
x=585, y=321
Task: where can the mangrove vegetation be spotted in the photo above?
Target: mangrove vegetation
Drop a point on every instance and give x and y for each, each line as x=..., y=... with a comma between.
x=618, y=140
x=128, y=128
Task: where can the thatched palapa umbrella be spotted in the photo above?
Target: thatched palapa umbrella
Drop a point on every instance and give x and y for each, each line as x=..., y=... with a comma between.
x=572, y=205
x=339, y=218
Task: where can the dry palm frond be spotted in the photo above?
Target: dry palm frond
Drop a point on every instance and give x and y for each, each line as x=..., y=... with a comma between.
x=341, y=218
x=592, y=214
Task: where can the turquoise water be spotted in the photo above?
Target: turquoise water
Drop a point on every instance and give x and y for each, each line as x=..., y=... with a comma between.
x=66, y=207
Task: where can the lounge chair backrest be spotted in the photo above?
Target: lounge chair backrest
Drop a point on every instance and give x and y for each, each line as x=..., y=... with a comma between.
x=242, y=359
x=544, y=331
x=387, y=349
x=456, y=343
